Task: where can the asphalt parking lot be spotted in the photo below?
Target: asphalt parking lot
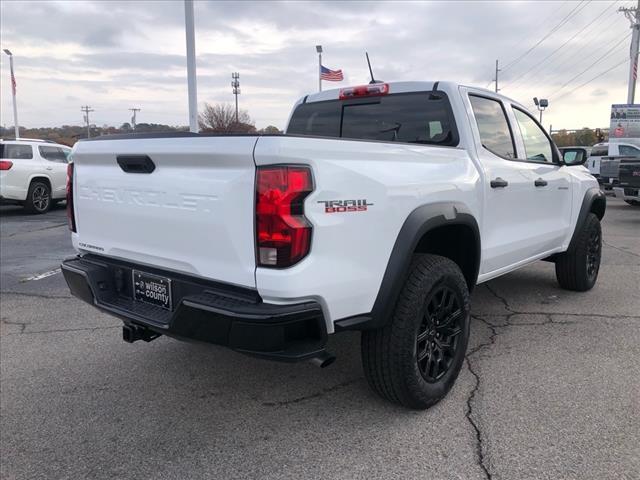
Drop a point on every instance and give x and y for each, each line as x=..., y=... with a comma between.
x=551, y=388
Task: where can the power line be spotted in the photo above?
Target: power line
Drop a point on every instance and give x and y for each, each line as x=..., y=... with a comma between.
x=568, y=17
x=515, y=80
x=549, y=17
x=606, y=54
x=570, y=65
x=591, y=80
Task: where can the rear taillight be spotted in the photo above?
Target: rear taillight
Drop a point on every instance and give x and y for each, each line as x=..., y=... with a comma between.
x=371, y=90
x=283, y=234
x=71, y=219
x=5, y=164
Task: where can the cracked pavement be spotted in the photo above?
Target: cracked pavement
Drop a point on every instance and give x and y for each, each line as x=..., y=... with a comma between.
x=550, y=389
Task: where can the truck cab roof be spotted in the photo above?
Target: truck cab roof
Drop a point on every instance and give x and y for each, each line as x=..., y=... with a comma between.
x=446, y=86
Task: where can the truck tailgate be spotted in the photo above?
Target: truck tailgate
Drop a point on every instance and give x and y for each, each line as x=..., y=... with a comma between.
x=193, y=213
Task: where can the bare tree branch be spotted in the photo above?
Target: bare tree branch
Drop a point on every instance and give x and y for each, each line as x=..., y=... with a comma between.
x=221, y=118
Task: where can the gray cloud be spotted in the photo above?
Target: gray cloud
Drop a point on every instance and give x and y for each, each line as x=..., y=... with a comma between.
x=108, y=50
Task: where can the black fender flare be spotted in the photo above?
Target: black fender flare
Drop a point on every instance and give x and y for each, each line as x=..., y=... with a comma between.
x=420, y=221
x=595, y=201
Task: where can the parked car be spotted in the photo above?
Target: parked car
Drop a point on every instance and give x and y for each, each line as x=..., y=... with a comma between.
x=604, y=161
x=33, y=173
x=380, y=210
x=628, y=187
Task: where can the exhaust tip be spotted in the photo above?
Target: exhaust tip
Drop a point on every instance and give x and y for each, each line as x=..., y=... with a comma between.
x=323, y=359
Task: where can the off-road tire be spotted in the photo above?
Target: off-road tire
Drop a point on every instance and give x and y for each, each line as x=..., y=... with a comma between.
x=577, y=268
x=38, y=197
x=390, y=355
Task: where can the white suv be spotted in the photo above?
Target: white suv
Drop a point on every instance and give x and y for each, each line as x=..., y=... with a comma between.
x=33, y=173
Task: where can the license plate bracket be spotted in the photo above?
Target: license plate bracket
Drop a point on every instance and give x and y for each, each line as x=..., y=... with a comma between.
x=152, y=289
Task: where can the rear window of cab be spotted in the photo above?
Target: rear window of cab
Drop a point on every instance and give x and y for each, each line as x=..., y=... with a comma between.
x=417, y=117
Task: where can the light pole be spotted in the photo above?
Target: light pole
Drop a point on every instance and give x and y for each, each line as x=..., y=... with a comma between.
x=541, y=105
x=319, y=50
x=13, y=91
x=235, y=83
x=191, y=65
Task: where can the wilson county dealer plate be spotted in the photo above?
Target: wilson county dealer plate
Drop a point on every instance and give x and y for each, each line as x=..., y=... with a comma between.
x=152, y=289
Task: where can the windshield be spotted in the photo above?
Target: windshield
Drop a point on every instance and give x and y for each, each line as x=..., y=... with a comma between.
x=407, y=117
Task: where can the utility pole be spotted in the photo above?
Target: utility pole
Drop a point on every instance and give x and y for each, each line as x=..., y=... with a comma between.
x=235, y=83
x=496, y=79
x=191, y=65
x=633, y=15
x=16, y=126
x=86, y=109
x=133, y=118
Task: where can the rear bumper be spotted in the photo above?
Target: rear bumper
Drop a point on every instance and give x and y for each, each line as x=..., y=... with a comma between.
x=627, y=193
x=10, y=193
x=204, y=311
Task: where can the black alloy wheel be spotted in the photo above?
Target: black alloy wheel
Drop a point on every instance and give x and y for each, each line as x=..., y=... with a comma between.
x=594, y=251
x=438, y=333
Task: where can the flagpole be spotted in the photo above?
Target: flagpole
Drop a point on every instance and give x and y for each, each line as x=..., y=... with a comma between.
x=13, y=91
x=319, y=50
x=191, y=65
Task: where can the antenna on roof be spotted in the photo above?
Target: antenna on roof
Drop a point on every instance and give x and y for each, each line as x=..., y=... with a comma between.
x=373, y=80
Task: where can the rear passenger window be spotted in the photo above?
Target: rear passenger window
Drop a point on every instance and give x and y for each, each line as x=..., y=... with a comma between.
x=493, y=126
x=53, y=154
x=14, y=152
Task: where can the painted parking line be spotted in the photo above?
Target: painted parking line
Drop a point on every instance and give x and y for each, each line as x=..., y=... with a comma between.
x=40, y=276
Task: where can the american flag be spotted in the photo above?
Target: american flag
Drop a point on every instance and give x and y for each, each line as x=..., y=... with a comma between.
x=330, y=75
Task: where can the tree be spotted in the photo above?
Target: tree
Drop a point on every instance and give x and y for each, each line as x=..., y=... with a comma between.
x=221, y=118
x=270, y=130
x=583, y=137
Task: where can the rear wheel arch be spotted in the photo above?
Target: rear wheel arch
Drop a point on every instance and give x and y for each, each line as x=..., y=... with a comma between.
x=594, y=201
x=41, y=178
x=446, y=229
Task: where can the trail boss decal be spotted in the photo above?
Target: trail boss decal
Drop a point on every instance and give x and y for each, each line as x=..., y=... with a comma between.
x=342, y=206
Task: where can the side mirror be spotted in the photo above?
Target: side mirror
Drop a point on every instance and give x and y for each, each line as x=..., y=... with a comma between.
x=574, y=156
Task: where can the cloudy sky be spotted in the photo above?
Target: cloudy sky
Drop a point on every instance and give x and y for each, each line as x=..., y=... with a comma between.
x=117, y=55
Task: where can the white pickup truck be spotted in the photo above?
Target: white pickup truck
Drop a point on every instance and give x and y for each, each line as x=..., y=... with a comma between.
x=379, y=210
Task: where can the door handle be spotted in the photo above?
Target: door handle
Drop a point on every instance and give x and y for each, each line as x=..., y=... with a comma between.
x=540, y=182
x=499, y=183
x=49, y=168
